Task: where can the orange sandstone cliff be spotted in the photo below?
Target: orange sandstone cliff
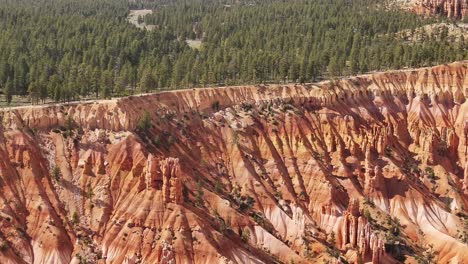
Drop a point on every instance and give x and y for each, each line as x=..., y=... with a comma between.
x=455, y=9
x=367, y=169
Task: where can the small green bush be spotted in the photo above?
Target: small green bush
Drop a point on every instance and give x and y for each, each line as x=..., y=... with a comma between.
x=144, y=124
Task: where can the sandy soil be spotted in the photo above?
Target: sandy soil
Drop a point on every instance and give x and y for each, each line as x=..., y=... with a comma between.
x=405, y=4
x=194, y=43
x=133, y=18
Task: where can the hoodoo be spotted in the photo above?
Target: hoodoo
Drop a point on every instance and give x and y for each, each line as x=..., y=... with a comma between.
x=455, y=9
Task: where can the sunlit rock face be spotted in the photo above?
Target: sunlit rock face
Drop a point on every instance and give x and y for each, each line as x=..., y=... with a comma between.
x=455, y=9
x=371, y=168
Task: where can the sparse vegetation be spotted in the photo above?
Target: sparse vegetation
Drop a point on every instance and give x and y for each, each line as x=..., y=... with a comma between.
x=224, y=226
x=89, y=192
x=287, y=107
x=258, y=218
x=185, y=193
x=369, y=202
x=302, y=195
x=245, y=236
x=463, y=236
x=171, y=139
x=388, y=152
x=246, y=106
x=279, y=195
x=4, y=245
x=394, y=225
x=246, y=203
x=308, y=253
x=396, y=249
x=332, y=238
x=428, y=256
x=218, y=186
x=199, y=194
x=164, y=140
x=81, y=259
x=56, y=173
x=144, y=124
x=157, y=140
x=463, y=233
x=215, y=106
x=431, y=175
x=75, y=218
x=168, y=117
x=235, y=137
x=69, y=124
x=410, y=167
x=442, y=148
x=333, y=252
x=369, y=217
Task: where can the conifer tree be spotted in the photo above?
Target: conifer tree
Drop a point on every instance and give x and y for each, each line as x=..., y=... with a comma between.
x=8, y=91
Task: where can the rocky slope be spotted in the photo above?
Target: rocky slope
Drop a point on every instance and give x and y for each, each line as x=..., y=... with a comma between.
x=367, y=169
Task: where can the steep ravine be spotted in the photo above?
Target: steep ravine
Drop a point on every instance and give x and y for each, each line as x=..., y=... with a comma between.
x=368, y=169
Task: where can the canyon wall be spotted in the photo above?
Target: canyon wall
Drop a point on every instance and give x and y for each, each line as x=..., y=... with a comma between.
x=371, y=168
x=455, y=9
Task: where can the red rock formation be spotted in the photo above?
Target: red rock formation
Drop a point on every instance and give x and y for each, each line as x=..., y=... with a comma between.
x=456, y=9
x=291, y=164
x=153, y=177
x=357, y=233
x=172, y=182
x=465, y=179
